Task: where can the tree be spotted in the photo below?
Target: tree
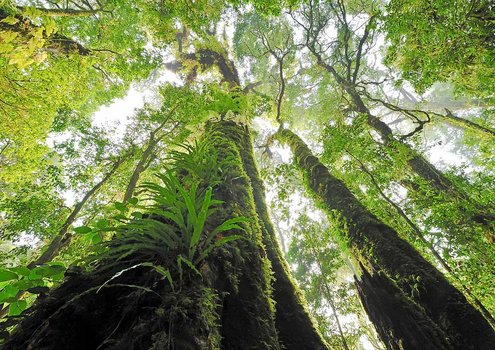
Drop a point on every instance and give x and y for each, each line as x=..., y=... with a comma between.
x=240, y=304
x=466, y=58
x=392, y=278
x=189, y=258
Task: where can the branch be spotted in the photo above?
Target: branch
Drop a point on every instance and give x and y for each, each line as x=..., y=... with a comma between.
x=57, y=12
x=56, y=43
x=208, y=58
x=360, y=48
x=467, y=123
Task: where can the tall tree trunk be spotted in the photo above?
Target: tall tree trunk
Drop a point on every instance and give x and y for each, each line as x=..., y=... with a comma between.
x=420, y=235
x=410, y=302
x=418, y=164
x=296, y=330
x=291, y=314
x=229, y=307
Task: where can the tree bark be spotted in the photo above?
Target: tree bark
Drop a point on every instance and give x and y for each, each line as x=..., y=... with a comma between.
x=420, y=235
x=410, y=303
x=291, y=311
x=296, y=330
x=139, y=310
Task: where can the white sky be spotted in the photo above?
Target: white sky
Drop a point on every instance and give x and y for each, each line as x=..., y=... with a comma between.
x=120, y=110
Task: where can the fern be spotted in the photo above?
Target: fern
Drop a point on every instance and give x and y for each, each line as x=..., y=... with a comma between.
x=173, y=226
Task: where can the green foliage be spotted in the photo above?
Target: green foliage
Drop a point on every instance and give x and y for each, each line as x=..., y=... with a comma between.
x=443, y=41
x=175, y=226
x=47, y=88
x=321, y=271
x=22, y=280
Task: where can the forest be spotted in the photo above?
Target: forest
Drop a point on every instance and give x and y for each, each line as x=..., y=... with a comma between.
x=247, y=174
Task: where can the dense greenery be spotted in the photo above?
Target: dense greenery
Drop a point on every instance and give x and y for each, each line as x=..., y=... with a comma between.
x=396, y=98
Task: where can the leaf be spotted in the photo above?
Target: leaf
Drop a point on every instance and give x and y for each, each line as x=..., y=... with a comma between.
x=17, y=307
x=82, y=229
x=49, y=271
x=25, y=283
x=120, y=217
x=8, y=36
x=50, y=27
x=188, y=200
x=231, y=224
x=34, y=275
x=96, y=238
x=137, y=215
x=200, y=222
x=6, y=275
x=227, y=225
x=8, y=292
x=181, y=259
x=103, y=223
x=21, y=270
x=10, y=20
x=161, y=271
x=58, y=277
x=133, y=201
x=120, y=206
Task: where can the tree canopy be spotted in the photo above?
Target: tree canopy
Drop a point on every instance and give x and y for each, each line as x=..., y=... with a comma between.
x=326, y=167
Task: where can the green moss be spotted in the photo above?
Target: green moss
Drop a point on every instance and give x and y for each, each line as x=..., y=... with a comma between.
x=387, y=263
x=247, y=266
x=209, y=304
x=296, y=328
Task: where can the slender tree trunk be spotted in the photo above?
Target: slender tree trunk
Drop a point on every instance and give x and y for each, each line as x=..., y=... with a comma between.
x=410, y=302
x=147, y=155
x=63, y=237
x=229, y=307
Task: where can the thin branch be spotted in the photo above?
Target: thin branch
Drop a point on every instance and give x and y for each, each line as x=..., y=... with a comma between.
x=57, y=12
x=359, y=53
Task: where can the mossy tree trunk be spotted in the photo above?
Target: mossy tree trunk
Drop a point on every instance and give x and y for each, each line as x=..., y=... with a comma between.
x=295, y=328
x=474, y=214
x=410, y=302
x=231, y=306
